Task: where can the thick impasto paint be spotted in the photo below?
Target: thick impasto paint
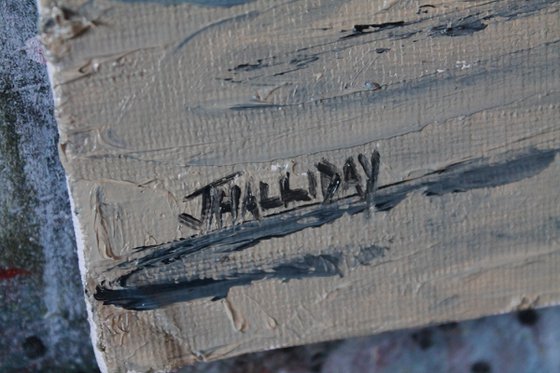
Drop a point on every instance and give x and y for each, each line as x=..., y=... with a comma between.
x=255, y=174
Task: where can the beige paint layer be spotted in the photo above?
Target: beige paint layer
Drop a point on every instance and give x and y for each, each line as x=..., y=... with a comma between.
x=156, y=99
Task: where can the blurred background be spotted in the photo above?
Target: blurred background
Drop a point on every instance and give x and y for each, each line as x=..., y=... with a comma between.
x=43, y=326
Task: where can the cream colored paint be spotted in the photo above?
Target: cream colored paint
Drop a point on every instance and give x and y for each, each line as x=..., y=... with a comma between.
x=143, y=123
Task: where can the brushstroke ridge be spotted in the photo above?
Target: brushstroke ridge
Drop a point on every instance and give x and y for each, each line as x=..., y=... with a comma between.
x=460, y=177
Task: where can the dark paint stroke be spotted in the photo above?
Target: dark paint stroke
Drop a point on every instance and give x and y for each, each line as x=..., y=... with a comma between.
x=462, y=27
x=221, y=181
x=302, y=61
x=249, y=66
x=363, y=29
x=208, y=3
x=190, y=221
x=460, y=177
x=398, y=30
x=424, y=8
x=148, y=297
x=377, y=26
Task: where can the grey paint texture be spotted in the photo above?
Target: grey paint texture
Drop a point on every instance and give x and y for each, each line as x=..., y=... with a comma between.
x=214, y=153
